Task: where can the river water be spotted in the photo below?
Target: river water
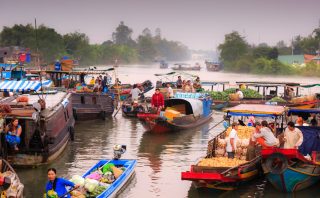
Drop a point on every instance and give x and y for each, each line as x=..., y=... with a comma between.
x=161, y=158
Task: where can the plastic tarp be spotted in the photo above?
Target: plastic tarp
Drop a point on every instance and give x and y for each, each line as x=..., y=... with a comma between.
x=18, y=86
x=256, y=109
x=193, y=106
x=309, y=86
x=303, y=111
x=311, y=139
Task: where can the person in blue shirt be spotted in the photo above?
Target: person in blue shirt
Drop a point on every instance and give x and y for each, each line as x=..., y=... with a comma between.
x=58, y=184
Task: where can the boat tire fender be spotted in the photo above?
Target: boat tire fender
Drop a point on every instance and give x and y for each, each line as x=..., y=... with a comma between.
x=71, y=132
x=276, y=163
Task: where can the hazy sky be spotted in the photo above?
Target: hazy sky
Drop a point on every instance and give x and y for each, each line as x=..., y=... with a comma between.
x=200, y=24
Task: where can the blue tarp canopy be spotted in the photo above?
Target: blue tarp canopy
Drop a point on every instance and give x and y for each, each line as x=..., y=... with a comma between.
x=251, y=114
x=18, y=86
x=311, y=140
x=8, y=67
x=303, y=111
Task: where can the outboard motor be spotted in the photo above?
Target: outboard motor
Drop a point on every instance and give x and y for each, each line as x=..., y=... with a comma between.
x=118, y=150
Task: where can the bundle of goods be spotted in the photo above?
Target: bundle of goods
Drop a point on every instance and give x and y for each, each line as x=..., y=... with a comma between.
x=230, y=94
x=277, y=99
x=234, y=97
x=22, y=99
x=220, y=162
x=96, y=182
x=170, y=114
x=16, y=188
x=244, y=133
x=5, y=108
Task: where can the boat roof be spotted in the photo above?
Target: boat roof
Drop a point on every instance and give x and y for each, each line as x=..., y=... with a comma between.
x=209, y=83
x=194, y=106
x=258, y=110
x=268, y=83
x=310, y=85
x=76, y=72
x=303, y=111
x=23, y=85
x=182, y=64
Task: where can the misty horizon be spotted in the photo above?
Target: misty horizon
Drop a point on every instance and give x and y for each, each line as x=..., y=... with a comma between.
x=259, y=22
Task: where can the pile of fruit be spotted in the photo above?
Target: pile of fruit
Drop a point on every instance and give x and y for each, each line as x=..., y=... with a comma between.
x=220, y=162
x=96, y=182
x=243, y=132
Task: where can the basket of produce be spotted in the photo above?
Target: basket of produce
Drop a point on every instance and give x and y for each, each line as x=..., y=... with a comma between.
x=234, y=97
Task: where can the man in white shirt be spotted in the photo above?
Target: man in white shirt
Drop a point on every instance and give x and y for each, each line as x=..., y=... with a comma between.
x=293, y=137
x=135, y=92
x=232, y=141
x=240, y=94
x=169, y=91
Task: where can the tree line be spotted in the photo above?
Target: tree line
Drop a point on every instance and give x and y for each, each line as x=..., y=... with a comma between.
x=122, y=47
x=238, y=56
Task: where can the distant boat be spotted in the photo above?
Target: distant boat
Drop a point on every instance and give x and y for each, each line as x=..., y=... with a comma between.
x=163, y=65
x=185, y=66
x=213, y=66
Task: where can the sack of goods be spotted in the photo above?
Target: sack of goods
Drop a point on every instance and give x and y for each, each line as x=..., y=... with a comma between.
x=220, y=162
x=234, y=97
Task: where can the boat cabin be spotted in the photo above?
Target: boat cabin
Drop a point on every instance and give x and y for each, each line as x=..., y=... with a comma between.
x=12, y=71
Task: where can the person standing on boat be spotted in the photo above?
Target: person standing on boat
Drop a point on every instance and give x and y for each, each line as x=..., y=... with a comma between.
x=232, y=141
x=169, y=93
x=179, y=82
x=92, y=81
x=293, y=137
x=157, y=100
x=57, y=185
x=240, y=94
x=13, y=132
x=135, y=92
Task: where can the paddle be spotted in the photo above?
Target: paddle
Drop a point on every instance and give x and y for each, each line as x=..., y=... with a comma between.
x=62, y=196
x=215, y=125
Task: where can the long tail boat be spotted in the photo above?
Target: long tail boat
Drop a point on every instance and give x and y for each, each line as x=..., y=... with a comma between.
x=288, y=170
x=225, y=177
x=180, y=113
x=42, y=139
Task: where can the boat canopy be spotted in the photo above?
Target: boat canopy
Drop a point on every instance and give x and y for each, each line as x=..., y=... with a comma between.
x=191, y=106
x=303, y=111
x=310, y=85
x=23, y=85
x=268, y=84
x=257, y=110
x=7, y=67
x=210, y=83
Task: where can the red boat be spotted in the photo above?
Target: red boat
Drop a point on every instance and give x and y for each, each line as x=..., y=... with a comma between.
x=190, y=113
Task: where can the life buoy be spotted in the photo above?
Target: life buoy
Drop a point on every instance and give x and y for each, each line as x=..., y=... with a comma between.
x=71, y=132
x=276, y=163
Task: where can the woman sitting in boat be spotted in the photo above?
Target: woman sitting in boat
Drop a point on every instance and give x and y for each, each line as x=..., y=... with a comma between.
x=56, y=187
x=188, y=87
x=197, y=84
x=13, y=132
x=293, y=137
x=264, y=136
x=179, y=82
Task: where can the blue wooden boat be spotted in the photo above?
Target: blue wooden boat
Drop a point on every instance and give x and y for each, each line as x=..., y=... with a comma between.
x=117, y=185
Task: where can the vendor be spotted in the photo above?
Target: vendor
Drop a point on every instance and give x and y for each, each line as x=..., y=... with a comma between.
x=13, y=132
x=293, y=137
x=264, y=136
x=240, y=94
x=57, y=186
x=232, y=141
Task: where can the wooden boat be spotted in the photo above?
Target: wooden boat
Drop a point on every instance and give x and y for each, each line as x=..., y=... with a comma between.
x=224, y=177
x=213, y=66
x=163, y=65
x=123, y=91
x=16, y=187
x=190, y=113
x=92, y=105
x=42, y=139
x=186, y=67
x=115, y=188
x=288, y=170
x=131, y=109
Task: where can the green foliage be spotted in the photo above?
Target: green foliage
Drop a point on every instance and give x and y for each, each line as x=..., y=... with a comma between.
x=52, y=45
x=277, y=99
x=224, y=95
x=233, y=48
x=311, y=69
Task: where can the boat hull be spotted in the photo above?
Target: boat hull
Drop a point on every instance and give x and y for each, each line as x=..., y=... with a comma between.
x=91, y=106
x=223, y=178
x=292, y=180
x=155, y=125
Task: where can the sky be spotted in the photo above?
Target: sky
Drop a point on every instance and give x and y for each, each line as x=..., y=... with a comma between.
x=199, y=24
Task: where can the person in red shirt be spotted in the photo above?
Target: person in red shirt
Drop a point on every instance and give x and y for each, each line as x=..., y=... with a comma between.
x=157, y=100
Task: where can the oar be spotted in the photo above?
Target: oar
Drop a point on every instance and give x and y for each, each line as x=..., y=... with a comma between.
x=215, y=125
x=62, y=196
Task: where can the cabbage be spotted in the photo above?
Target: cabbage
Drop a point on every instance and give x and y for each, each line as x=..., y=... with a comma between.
x=78, y=180
x=90, y=184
